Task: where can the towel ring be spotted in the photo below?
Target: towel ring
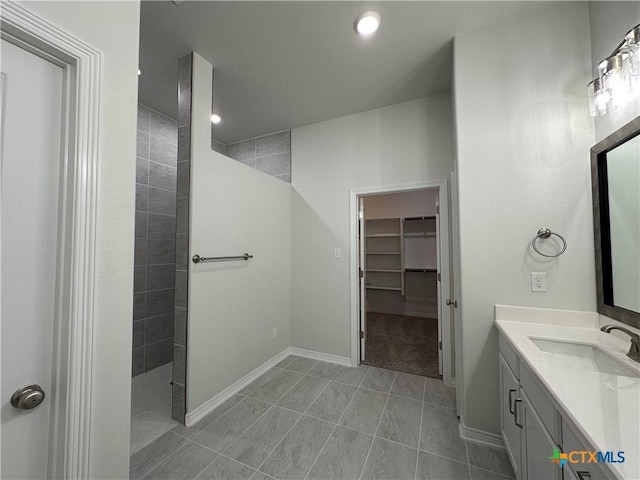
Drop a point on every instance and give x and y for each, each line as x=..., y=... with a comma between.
x=546, y=233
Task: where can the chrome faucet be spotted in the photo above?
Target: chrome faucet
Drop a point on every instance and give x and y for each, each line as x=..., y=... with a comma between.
x=634, y=350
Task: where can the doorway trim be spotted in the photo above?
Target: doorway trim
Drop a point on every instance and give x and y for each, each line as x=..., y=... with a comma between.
x=443, y=243
x=70, y=439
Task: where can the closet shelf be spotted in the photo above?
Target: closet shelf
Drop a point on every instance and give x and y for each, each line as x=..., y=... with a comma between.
x=383, y=271
x=424, y=270
x=375, y=287
x=383, y=253
x=381, y=235
x=420, y=234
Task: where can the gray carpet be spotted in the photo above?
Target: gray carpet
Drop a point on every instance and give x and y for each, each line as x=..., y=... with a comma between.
x=405, y=344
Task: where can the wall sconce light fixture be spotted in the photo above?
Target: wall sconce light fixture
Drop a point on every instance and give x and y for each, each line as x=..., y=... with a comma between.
x=618, y=76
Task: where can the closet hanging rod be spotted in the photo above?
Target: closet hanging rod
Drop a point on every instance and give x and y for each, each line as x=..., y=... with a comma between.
x=197, y=258
x=420, y=218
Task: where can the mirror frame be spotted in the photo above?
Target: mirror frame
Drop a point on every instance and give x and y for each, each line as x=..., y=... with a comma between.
x=601, y=228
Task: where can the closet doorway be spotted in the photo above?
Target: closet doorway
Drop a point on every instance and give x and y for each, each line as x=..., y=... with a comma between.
x=402, y=275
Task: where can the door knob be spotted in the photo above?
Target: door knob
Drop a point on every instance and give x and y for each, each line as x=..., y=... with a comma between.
x=27, y=397
x=454, y=303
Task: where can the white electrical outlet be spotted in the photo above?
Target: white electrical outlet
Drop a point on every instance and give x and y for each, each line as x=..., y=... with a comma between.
x=538, y=282
x=337, y=253
x=275, y=333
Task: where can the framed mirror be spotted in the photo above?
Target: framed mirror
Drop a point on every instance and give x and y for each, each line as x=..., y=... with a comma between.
x=615, y=177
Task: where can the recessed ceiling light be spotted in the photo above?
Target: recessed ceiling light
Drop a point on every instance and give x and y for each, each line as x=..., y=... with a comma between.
x=367, y=23
x=215, y=119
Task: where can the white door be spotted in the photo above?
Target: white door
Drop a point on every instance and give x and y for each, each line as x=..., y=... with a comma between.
x=441, y=309
x=455, y=280
x=362, y=251
x=31, y=112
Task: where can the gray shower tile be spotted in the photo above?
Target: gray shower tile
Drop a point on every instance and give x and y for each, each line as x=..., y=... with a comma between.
x=185, y=463
x=285, y=178
x=184, y=69
x=224, y=468
x=388, y=460
x=161, y=201
x=301, y=365
x=378, y=379
x=142, y=192
x=158, y=328
x=162, y=176
x=162, y=226
x=178, y=402
x=160, y=277
x=351, y=376
x=147, y=458
x=160, y=251
x=139, y=279
x=163, y=127
x=142, y=171
x=275, y=164
x=142, y=145
x=253, y=447
x=140, y=254
x=324, y=370
x=137, y=362
x=193, y=431
x=143, y=118
x=332, y=402
x=400, y=421
x=481, y=474
x=438, y=393
x=491, y=459
x=295, y=455
x=260, y=381
x=141, y=225
x=432, y=467
x=158, y=354
x=220, y=434
x=440, y=434
x=180, y=326
x=409, y=386
x=184, y=171
x=303, y=393
x=138, y=334
x=242, y=151
x=181, y=288
x=184, y=143
x=343, y=456
x=160, y=302
x=276, y=386
x=179, y=364
x=182, y=215
x=184, y=109
x=273, y=144
x=139, y=306
x=219, y=147
x=163, y=152
x=182, y=250
x=364, y=411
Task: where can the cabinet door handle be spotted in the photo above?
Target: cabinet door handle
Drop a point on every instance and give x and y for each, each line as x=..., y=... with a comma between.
x=515, y=416
x=583, y=475
x=511, y=392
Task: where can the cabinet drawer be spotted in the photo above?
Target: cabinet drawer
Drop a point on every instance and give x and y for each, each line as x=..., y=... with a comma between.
x=571, y=442
x=540, y=402
x=509, y=354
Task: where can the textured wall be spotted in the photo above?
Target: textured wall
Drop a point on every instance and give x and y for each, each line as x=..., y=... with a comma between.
x=154, y=269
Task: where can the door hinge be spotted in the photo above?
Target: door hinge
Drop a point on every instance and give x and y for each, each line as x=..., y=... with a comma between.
x=437, y=209
x=361, y=273
x=361, y=334
x=439, y=345
x=439, y=277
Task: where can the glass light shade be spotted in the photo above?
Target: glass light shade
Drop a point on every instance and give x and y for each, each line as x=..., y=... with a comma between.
x=615, y=77
x=633, y=47
x=600, y=99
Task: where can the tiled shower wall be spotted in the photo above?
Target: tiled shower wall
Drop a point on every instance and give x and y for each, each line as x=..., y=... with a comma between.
x=270, y=154
x=154, y=284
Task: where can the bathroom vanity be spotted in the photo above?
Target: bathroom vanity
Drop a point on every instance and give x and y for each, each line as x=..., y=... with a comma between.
x=567, y=386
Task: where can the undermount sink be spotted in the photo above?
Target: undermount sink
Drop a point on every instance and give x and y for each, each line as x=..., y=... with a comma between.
x=584, y=356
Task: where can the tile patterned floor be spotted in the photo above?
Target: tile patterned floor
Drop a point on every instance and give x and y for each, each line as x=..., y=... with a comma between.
x=312, y=420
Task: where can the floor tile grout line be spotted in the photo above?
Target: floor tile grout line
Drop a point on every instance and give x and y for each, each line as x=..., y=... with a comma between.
x=466, y=449
x=379, y=422
x=336, y=425
x=208, y=465
x=424, y=393
x=507, y=477
x=165, y=459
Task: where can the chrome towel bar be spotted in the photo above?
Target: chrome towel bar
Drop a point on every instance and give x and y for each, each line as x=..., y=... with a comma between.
x=197, y=258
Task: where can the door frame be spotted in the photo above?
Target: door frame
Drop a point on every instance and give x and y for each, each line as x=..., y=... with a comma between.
x=73, y=342
x=444, y=284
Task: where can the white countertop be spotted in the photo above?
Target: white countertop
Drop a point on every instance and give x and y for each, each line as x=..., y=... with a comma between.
x=605, y=408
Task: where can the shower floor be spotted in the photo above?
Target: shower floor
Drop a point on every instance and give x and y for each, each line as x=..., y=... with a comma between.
x=151, y=406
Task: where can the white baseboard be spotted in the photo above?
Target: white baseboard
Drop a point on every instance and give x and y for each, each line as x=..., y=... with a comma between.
x=207, y=407
x=323, y=357
x=481, y=437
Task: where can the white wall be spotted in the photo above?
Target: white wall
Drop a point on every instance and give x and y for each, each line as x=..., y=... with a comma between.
x=95, y=24
x=523, y=139
x=233, y=306
x=610, y=21
x=405, y=143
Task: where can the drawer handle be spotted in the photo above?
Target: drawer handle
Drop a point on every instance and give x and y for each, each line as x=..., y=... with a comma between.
x=583, y=475
x=515, y=416
x=511, y=392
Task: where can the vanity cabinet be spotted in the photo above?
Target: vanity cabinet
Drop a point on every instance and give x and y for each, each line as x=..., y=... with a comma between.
x=509, y=392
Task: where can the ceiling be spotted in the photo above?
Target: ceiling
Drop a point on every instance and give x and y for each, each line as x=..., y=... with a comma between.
x=281, y=65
